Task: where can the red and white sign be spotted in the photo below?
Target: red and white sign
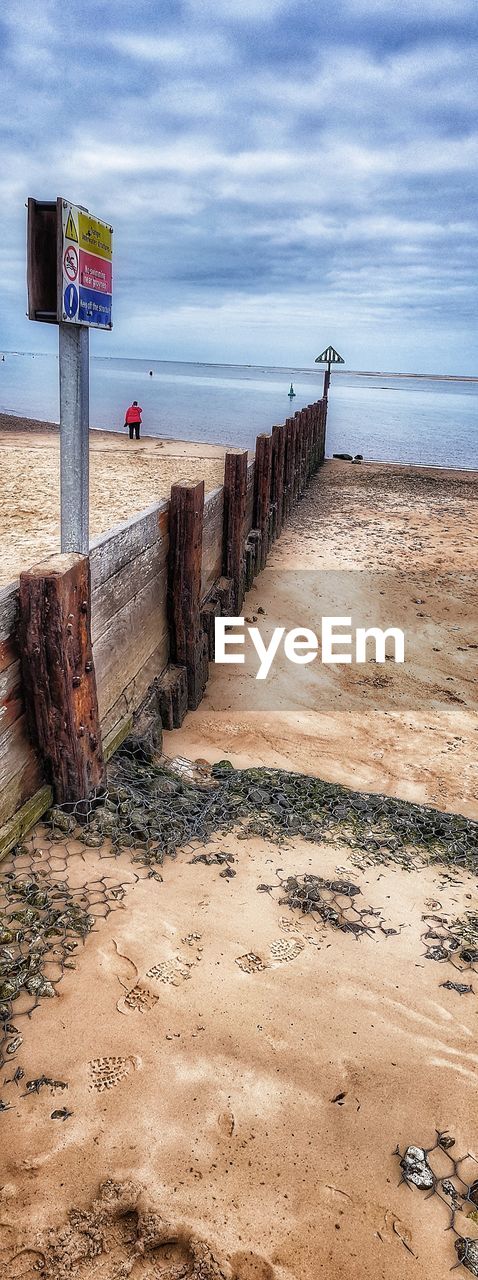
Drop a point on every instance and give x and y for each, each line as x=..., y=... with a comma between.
x=70, y=262
x=95, y=273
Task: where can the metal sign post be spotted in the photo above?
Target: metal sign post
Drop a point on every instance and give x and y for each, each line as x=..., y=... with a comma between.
x=70, y=284
x=73, y=345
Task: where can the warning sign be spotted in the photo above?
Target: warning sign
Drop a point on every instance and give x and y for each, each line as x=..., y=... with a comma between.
x=329, y=356
x=71, y=232
x=95, y=236
x=86, y=286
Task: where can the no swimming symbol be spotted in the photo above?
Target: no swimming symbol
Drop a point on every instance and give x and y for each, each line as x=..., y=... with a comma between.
x=70, y=262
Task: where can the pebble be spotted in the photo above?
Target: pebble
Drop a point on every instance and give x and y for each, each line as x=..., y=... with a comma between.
x=416, y=1168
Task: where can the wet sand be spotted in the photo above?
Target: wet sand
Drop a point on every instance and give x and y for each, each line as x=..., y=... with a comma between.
x=126, y=476
x=256, y=1105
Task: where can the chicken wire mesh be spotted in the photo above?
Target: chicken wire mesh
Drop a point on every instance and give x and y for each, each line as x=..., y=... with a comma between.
x=153, y=807
x=453, y=1180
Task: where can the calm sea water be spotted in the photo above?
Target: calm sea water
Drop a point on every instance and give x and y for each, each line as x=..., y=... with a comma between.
x=411, y=419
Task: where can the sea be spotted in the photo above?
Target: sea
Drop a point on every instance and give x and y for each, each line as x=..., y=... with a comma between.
x=431, y=421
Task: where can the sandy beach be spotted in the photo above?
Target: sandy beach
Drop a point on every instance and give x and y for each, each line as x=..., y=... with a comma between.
x=126, y=476
x=239, y=1075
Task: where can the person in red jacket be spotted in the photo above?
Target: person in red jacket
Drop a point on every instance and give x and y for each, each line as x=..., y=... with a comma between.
x=133, y=419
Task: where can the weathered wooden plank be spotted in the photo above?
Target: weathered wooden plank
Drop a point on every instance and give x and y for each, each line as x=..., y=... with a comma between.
x=18, y=826
x=21, y=774
x=11, y=695
x=188, y=642
x=134, y=633
x=9, y=651
x=133, y=693
x=15, y=749
x=113, y=740
x=235, y=502
x=115, y=549
x=111, y=596
x=8, y=612
x=262, y=491
x=59, y=675
x=212, y=540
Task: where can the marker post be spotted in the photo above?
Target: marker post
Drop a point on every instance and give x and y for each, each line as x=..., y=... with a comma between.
x=73, y=348
x=329, y=357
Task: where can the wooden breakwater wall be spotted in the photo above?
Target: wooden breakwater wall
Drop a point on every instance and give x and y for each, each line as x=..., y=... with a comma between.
x=85, y=639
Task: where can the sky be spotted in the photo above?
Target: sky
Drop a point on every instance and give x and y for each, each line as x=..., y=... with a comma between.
x=279, y=175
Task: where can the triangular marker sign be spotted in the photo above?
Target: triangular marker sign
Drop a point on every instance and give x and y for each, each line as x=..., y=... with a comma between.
x=329, y=356
x=71, y=232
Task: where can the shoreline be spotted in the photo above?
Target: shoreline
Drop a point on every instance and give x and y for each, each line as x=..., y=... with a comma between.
x=13, y=424
x=272, y=368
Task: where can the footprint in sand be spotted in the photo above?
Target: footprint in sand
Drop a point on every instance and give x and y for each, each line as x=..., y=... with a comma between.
x=250, y=963
x=280, y=951
x=140, y=998
x=284, y=949
x=174, y=971
x=106, y=1073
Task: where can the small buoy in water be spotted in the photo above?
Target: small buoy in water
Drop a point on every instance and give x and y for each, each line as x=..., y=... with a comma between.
x=291, y=391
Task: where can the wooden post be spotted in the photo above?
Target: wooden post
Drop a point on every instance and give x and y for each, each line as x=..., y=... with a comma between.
x=59, y=675
x=308, y=439
x=301, y=452
x=321, y=430
x=235, y=501
x=262, y=490
x=318, y=421
x=277, y=478
x=172, y=688
x=288, y=467
x=295, y=460
x=188, y=641
x=311, y=438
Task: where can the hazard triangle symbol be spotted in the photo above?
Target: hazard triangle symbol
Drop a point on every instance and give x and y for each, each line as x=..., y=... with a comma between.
x=71, y=232
x=329, y=356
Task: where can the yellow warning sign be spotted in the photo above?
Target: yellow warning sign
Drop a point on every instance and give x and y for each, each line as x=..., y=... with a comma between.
x=70, y=230
x=95, y=236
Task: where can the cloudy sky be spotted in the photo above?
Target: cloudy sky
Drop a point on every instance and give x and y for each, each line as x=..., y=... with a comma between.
x=279, y=175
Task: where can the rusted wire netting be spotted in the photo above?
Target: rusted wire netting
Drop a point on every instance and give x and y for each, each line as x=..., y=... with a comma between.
x=153, y=807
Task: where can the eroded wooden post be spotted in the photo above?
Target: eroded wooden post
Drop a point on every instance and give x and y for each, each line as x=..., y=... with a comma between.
x=262, y=490
x=277, y=478
x=288, y=466
x=235, y=501
x=59, y=675
x=323, y=428
x=188, y=642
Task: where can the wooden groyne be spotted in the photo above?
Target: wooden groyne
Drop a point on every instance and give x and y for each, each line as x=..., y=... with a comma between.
x=87, y=641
